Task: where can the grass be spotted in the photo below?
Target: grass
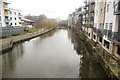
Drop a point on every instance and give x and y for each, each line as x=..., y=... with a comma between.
x=31, y=30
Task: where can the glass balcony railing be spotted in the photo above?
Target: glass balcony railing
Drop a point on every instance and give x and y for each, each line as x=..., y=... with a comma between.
x=99, y=32
x=91, y=10
x=7, y=20
x=113, y=36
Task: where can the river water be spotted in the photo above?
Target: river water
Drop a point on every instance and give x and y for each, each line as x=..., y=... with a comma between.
x=57, y=54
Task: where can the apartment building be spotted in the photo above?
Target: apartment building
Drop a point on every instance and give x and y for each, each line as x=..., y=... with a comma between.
x=14, y=18
x=111, y=38
x=89, y=17
x=4, y=9
x=101, y=24
x=99, y=19
x=10, y=20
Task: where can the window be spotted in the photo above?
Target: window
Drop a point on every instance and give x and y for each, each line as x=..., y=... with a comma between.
x=15, y=13
x=106, y=27
x=94, y=36
x=10, y=18
x=107, y=7
x=15, y=23
x=10, y=24
x=89, y=34
x=110, y=27
x=15, y=19
x=101, y=26
x=10, y=12
x=101, y=11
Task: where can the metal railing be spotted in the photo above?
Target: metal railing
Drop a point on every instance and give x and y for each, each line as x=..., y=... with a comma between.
x=117, y=8
x=10, y=30
x=91, y=10
x=113, y=36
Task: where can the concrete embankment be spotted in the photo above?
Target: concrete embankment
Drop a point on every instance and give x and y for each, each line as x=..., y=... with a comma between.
x=9, y=42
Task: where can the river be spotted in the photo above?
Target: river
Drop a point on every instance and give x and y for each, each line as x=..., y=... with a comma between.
x=57, y=54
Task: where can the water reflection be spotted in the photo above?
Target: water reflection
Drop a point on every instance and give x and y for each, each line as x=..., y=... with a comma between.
x=57, y=54
x=9, y=58
x=89, y=68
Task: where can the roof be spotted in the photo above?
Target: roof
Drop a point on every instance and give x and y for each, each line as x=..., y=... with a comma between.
x=27, y=20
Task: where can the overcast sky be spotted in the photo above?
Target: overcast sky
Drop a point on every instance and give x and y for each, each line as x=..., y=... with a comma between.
x=51, y=8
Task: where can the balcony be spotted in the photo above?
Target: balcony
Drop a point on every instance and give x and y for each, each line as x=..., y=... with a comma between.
x=19, y=15
x=90, y=26
x=5, y=7
x=85, y=25
x=99, y=32
x=91, y=10
x=113, y=36
x=87, y=18
x=87, y=11
x=91, y=18
x=117, y=8
x=94, y=30
x=7, y=20
x=6, y=13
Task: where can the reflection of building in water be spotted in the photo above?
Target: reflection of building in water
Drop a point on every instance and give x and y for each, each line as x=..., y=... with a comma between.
x=9, y=58
x=89, y=68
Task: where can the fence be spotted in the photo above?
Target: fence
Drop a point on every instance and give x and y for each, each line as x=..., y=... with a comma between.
x=8, y=31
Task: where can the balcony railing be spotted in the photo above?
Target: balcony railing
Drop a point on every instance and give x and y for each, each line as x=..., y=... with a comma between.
x=91, y=18
x=117, y=8
x=7, y=20
x=113, y=36
x=90, y=26
x=6, y=13
x=94, y=30
x=87, y=18
x=87, y=11
x=99, y=32
x=85, y=25
x=91, y=10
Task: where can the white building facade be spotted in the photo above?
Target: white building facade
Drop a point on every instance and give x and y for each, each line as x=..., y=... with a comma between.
x=10, y=20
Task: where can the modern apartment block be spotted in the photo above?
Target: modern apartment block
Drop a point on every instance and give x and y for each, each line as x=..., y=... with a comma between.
x=10, y=20
x=111, y=38
x=100, y=21
x=89, y=17
x=4, y=9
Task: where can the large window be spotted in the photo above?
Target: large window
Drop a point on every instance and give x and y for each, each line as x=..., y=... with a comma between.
x=108, y=8
x=110, y=27
x=106, y=27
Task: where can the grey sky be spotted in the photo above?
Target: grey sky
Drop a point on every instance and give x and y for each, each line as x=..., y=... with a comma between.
x=51, y=8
